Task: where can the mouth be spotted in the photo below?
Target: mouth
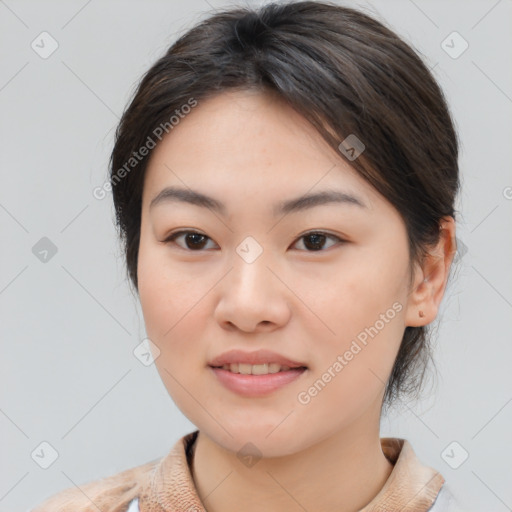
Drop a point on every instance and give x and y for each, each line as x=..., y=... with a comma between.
x=257, y=369
x=266, y=379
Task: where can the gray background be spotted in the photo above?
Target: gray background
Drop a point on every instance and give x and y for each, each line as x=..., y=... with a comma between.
x=69, y=325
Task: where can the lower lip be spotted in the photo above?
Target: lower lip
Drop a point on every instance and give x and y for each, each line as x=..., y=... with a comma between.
x=256, y=385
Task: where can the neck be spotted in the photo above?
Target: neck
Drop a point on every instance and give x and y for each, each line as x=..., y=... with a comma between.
x=341, y=473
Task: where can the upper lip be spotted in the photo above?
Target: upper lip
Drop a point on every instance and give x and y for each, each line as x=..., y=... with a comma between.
x=257, y=357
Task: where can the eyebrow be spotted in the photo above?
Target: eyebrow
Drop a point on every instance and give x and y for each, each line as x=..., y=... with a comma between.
x=174, y=194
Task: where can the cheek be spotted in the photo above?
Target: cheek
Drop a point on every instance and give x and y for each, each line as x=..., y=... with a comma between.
x=172, y=309
x=360, y=333
x=163, y=290
x=348, y=300
x=353, y=370
x=170, y=303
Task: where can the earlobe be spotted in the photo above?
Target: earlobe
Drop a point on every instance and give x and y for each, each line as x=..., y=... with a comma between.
x=419, y=306
x=431, y=278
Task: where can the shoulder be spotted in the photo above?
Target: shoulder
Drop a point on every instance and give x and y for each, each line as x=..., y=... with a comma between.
x=110, y=494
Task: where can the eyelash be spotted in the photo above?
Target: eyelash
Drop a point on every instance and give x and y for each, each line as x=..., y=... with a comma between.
x=173, y=236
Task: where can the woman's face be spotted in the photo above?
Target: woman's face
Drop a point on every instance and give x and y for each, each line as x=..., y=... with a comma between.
x=336, y=303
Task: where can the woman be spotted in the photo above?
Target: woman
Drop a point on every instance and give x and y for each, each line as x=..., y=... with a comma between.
x=284, y=182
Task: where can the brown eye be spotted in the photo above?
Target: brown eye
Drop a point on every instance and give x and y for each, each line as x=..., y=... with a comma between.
x=315, y=240
x=194, y=241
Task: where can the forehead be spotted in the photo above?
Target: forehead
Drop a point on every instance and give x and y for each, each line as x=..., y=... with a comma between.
x=248, y=142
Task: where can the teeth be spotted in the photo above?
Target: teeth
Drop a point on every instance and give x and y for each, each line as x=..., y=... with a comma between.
x=255, y=369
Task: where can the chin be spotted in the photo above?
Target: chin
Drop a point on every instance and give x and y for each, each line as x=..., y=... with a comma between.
x=255, y=441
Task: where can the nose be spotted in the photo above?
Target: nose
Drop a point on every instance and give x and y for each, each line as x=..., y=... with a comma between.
x=252, y=297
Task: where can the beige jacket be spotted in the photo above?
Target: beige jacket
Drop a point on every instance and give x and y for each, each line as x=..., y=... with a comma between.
x=166, y=484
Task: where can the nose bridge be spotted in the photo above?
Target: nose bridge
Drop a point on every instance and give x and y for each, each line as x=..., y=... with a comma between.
x=251, y=294
x=250, y=272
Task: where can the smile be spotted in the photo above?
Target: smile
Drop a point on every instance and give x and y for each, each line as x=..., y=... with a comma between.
x=255, y=369
x=254, y=384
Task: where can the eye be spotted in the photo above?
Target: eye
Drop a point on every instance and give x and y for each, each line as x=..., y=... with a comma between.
x=316, y=240
x=195, y=241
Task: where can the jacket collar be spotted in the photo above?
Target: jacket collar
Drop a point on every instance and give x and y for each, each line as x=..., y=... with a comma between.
x=411, y=486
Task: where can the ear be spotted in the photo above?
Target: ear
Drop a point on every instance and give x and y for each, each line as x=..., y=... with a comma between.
x=431, y=277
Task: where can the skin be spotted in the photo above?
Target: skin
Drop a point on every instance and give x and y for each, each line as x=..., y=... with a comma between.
x=251, y=151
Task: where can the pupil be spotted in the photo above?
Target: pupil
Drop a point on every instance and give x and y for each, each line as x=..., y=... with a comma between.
x=317, y=240
x=194, y=241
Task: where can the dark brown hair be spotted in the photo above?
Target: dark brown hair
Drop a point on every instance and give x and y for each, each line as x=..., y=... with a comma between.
x=347, y=74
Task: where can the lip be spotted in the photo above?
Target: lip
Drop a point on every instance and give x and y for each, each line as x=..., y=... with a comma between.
x=257, y=357
x=256, y=385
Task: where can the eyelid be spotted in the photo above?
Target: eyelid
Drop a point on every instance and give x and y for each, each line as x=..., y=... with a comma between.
x=181, y=232
x=172, y=236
